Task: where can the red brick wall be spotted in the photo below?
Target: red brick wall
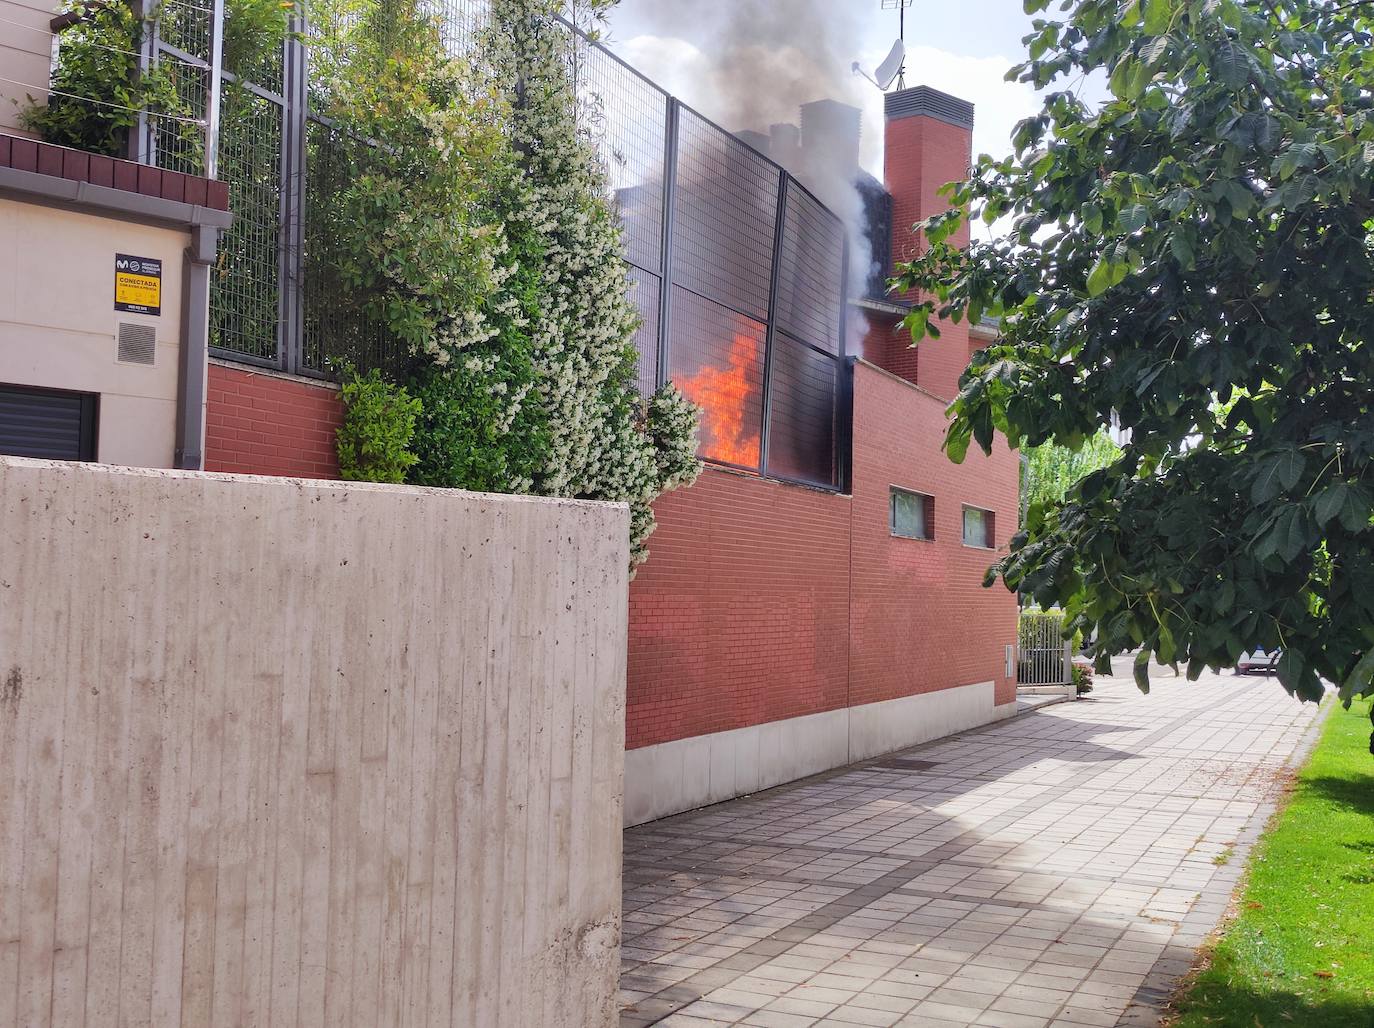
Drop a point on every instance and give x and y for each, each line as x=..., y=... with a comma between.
x=763, y=601
x=921, y=619
x=259, y=424
x=741, y=615
x=921, y=154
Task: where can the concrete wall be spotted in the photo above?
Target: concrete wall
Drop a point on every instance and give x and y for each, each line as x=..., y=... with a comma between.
x=25, y=56
x=58, y=325
x=687, y=773
x=306, y=753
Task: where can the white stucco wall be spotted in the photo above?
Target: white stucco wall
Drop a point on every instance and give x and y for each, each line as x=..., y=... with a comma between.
x=306, y=753
x=58, y=325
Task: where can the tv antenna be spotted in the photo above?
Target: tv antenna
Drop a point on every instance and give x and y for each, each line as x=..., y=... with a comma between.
x=894, y=65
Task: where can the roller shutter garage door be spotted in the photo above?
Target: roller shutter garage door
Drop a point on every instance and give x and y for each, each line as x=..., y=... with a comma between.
x=47, y=423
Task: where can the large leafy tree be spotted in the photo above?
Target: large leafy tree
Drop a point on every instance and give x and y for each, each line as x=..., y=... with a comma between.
x=1194, y=256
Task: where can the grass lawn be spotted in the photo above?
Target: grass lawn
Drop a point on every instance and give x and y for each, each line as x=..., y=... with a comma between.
x=1301, y=951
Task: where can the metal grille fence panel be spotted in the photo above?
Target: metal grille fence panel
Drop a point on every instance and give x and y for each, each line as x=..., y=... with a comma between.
x=717, y=359
x=331, y=338
x=244, y=300
x=626, y=118
x=802, y=412
x=725, y=211
x=738, y=271
x=810, y=271
x=645, y=292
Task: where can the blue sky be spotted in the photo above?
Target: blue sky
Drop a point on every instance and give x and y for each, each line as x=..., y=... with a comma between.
x=701, y=50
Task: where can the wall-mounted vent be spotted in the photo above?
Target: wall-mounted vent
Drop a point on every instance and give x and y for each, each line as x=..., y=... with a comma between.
x=137, y=344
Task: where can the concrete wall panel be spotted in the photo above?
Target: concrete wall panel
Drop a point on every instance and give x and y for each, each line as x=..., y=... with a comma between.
x=306, y=753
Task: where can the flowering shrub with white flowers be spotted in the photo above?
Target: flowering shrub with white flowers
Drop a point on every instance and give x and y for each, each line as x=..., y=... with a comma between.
x=478, y=228
x=605, y=442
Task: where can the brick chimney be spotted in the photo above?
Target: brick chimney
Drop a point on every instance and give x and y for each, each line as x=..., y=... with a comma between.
x=929, y=141
x=830, y=134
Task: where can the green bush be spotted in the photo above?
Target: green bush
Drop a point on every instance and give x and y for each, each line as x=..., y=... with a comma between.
x=379, y=422
x=1082, y=677
x=471, y=436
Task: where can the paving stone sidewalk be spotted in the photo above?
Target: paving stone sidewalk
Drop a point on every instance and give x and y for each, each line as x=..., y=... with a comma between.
x=1058, y=869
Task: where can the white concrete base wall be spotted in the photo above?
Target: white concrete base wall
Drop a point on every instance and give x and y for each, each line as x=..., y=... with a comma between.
x=689, y=773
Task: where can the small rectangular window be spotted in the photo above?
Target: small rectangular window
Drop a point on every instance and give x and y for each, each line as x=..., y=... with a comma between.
x=980, y=528
x=913, y=514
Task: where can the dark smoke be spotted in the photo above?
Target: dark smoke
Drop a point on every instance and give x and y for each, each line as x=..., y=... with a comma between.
x=767, y=58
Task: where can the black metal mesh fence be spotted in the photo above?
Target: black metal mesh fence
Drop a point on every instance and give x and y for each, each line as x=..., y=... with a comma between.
x=335, y=335
x=182, y=52
x=810, y=277
x=244, y=299
x=736, y=270
x=717, y=357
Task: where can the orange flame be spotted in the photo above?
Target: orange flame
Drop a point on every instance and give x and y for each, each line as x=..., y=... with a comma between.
x=723, y=395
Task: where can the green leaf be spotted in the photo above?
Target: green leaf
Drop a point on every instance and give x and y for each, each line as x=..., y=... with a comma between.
x=1287, y=538
x=1290, y=669
x=1281, y=471
x=1226, y=598
x=957, y=439
x=1133, y=218
x=1128, y=78
x=1330, y=502
x=1358, y=681
x=1141, y=671
x=1106, y=273
x=1232, y=64
x=1158, y=16
x=1359, y=507
x=1168, y=649
x=1182, y=248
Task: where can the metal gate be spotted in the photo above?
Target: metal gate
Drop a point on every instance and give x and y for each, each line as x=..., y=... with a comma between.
x=1044, y=658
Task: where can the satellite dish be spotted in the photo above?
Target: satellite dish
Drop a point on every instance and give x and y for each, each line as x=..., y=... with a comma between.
x=892, y=66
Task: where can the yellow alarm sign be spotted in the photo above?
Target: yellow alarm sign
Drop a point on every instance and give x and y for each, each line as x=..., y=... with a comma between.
x=138, y=284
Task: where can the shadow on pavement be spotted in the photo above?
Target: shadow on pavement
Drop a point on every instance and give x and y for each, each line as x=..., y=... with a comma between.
x=924, y=878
